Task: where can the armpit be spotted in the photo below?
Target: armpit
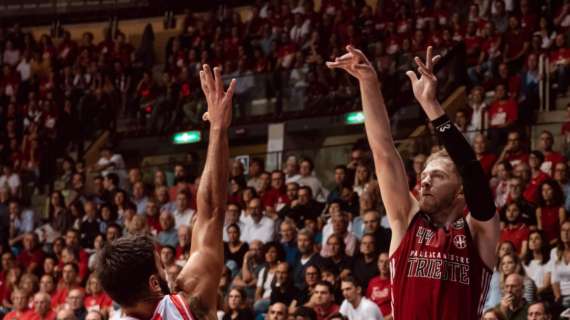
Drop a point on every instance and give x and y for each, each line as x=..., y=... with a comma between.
x=199, y=309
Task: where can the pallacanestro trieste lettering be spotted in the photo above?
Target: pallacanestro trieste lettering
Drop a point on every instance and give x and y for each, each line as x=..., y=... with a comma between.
x=435, y=265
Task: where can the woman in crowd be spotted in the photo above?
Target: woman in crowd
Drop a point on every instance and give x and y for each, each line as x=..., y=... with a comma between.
x=235, y=249
x=560, y=267
x=509, y=264
x=96, y=299
x=77, y=213
x=536, y=263
x=59, y=216
x=273, y=253
x=362, y=177
x=494, y=295
x=550, y=211
x=514, y=230
x=236, y=307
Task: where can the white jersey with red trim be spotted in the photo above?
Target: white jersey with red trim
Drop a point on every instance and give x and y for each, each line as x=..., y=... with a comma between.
x=171, y=307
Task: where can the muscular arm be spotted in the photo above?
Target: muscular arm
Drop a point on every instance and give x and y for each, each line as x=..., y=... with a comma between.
x=201, y=275
x=392, y=177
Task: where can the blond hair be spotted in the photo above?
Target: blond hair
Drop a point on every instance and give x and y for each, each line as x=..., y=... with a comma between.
x=442, y=154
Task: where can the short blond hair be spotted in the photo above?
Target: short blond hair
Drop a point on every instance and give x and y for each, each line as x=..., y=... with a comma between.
x=442, y=154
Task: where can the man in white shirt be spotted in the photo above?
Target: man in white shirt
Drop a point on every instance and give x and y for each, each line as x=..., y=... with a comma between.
x=10, y=180
x=21, y=221
x=307, y=178
x=355, y=306
x=183, y=214
x=109, y=162
x=256, y=225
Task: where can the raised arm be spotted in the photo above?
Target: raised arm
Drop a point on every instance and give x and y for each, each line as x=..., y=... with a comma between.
x=392, y=177
x=483, y=221
x=201, y=275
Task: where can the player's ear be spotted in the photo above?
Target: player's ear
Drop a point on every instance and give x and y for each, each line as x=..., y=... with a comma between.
x=154, y=283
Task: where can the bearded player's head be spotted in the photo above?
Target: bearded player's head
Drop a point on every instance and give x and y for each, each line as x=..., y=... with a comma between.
x=441, y=187
x=130, y=271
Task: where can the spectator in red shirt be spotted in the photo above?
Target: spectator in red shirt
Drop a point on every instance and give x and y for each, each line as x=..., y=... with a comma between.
x=276, y=196
x=96, y=298
x=551, y=157
x=560, y=64
x=379, y=288
x=72, y=238
x=487, y=159
x=550, y=212
x=68, y=282
x=42, y=308
x=503, y=113
x=32, y=257
x=472, y=43
x=516, y=44
x=513, y=151
x=514, y=229
x=20, y=304
x=529, y=20
x=535, y=159
x=47, y=285
x=322, y=300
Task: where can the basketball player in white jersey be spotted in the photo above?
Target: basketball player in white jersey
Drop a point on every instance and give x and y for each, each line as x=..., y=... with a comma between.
x=130, y=269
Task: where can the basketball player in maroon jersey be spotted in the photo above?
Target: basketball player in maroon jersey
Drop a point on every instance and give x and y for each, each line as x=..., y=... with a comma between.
x=130, y=268
x=440, y=259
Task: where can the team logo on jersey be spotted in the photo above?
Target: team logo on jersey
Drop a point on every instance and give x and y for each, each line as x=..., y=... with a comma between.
x=458, y=224
x=424, y=235
x=460, y=241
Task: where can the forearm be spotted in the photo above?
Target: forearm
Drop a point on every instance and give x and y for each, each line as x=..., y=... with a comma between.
x=377, y=122
x=476, y=189
x=245, y=274
x=212, y=192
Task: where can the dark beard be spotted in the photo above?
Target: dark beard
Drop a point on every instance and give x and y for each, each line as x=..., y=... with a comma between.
x=163, y=286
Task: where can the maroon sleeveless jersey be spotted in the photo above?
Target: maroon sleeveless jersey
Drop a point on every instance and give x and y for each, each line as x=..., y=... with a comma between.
x=437, y=273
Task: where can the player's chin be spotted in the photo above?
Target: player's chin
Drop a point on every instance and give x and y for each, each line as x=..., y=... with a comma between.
x=428, y=204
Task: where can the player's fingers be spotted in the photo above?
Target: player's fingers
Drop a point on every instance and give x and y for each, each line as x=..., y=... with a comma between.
x=427, y=74
x=419, y=62
x=429, y=53
x=337, y=65
x=203, y=82
x=208, y=76
x=357, y=53
x=345, y=57
x=413, y=77
x=219, y=83
x=205, y=116
x=435, y=60
x=230, y=92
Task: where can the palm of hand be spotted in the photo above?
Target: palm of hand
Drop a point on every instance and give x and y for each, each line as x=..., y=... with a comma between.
x=425, y=89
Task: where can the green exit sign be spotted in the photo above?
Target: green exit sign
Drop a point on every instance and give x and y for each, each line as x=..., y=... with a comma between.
x=354, y=117
x=187, y=137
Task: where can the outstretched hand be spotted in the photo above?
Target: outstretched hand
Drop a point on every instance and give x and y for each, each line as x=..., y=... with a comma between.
x=219, y=101
x=355, y=63
x=425, y=88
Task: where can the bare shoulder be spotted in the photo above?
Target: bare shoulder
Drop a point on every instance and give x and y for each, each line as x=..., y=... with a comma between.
x=400, y=224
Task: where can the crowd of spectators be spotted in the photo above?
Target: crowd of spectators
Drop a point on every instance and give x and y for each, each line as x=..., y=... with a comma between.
x=294, y=247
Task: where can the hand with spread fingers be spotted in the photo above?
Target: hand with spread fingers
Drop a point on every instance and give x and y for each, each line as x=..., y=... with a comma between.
x=219, y=101
x=356, y=64
x=425, y=88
